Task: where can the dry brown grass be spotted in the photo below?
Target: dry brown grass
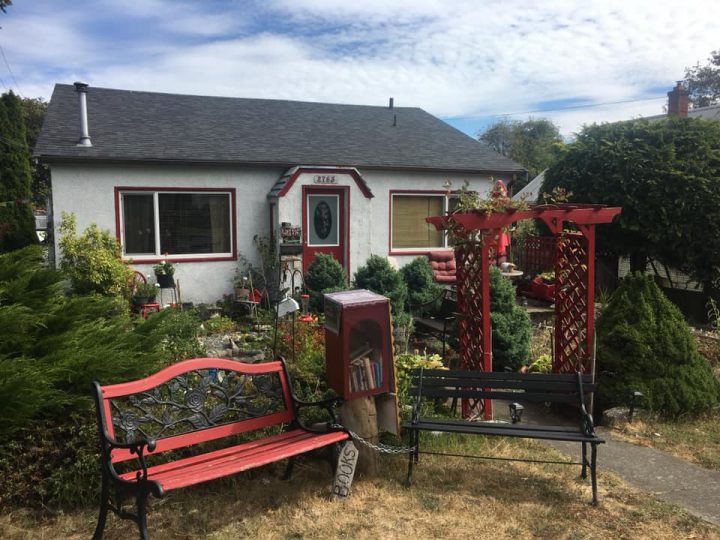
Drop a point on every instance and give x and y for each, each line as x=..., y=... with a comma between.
x=450, y=497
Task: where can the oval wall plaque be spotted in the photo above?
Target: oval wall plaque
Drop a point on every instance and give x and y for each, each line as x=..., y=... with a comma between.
x=322, y=219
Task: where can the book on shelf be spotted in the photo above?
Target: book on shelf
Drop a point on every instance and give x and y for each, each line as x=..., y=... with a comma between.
x=365, y=373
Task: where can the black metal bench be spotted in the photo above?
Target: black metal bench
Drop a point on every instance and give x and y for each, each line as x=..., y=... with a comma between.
x=568, y=389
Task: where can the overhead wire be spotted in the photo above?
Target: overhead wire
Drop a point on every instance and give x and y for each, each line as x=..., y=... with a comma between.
x=12, y=75
x=572, y=107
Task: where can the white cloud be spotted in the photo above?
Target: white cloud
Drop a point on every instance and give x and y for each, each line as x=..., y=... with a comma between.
x=460, y=58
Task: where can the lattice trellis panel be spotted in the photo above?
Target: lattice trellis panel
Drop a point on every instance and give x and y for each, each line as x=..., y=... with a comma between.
x=538, y=255
x=573, y=347
x=474, y=316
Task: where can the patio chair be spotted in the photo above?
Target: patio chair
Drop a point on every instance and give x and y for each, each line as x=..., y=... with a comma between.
x=441, y=323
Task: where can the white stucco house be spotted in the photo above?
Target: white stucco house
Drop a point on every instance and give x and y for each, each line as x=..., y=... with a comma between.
x=197, y=177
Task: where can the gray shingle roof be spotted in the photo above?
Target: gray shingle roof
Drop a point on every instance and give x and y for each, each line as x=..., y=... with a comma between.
x=129, y=125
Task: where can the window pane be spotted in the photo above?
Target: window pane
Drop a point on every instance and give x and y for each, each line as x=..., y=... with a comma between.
x=192, y=223
x=138, y=224
x=409, y=228
x=323, y=220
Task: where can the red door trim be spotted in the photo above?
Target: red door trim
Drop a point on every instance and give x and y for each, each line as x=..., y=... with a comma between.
x=344, y=210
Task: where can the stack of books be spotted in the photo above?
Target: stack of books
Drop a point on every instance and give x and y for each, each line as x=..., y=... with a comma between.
x=365, y=370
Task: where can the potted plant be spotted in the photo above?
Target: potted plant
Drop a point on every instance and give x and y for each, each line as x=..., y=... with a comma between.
x=164, y=274
x=145, y=293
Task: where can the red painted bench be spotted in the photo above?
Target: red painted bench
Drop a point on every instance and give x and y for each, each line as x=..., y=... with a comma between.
x=192, y=402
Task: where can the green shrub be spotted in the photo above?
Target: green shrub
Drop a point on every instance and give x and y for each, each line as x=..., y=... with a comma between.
x=53, y=345
x=324, y=274
x=378, y=276
x=55, y=465
x=418, y=278
x=644, y=344
x=511, y=327
x=93, y=260
x=404, y=364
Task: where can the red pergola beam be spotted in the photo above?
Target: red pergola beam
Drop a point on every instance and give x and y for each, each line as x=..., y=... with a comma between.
x=587, y=214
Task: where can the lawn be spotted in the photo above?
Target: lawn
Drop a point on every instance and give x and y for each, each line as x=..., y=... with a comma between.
x=450, y=497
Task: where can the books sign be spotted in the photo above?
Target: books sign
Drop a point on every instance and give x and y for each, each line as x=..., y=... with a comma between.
x=347, y=461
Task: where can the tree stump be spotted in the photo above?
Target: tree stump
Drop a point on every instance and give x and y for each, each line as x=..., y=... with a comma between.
x=360, y=416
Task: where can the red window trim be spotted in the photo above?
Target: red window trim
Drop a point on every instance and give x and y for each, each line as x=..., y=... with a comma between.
x=233, y=223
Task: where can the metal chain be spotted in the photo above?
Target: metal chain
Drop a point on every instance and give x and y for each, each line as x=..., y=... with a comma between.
x=379, y=447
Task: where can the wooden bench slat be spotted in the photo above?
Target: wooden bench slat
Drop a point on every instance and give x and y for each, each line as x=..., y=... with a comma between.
x=508, y=430
x=498, y=394
x=502, y=375
x=559, y=386
x=245, y=456
x=453, y=421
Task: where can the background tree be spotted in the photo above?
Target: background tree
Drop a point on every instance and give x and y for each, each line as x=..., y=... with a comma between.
x=666, y=177
x=17, y=225
x=534, y=144
x=703, y=82
x=34, y=110
x=4, y=4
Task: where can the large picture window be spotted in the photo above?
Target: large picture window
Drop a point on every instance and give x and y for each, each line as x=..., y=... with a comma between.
x=179, y=223
x=409, y=229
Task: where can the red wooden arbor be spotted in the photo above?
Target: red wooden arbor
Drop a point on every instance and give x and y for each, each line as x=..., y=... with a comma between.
x=574, y=283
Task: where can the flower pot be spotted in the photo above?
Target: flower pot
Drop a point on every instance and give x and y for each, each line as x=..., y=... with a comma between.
x=165, y=281
x=140, y=300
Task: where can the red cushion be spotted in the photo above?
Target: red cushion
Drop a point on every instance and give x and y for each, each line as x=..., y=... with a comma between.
x=443, y=266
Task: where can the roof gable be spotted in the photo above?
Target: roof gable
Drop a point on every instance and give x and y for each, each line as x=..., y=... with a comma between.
x=147, y=126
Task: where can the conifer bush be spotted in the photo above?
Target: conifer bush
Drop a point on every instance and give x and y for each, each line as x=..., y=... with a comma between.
x=418, y=278
x=644, y=344
x=511, y=328
x=52, y=345
x=324, y=274
x=379, y=277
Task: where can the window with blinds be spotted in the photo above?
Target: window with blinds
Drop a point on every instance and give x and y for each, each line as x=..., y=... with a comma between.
x=409, y=228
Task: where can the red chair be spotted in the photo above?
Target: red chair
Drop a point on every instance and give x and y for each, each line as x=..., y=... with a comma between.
x=145, y=308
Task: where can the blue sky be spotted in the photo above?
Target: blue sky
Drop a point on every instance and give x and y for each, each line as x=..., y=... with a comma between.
x=470, y=62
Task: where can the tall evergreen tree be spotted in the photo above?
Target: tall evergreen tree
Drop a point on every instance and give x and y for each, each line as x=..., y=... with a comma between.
x=17, y=227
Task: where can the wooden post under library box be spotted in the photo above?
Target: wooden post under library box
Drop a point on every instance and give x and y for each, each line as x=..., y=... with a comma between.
x=359, y=365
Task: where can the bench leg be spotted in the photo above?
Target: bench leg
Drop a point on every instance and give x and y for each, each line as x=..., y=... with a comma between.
x=289, y=468
x=141, y=500
x=104, y=506
x=412, y=455
x=583, y=474
x=593, y=470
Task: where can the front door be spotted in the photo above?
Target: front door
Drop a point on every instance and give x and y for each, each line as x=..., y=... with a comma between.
x=324, y=223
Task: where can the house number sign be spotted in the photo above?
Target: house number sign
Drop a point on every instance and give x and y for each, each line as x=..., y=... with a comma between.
x=325, y=179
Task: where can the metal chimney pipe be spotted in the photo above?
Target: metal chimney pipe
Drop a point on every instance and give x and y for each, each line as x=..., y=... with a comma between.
x=81, y=89
x=391, y=104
